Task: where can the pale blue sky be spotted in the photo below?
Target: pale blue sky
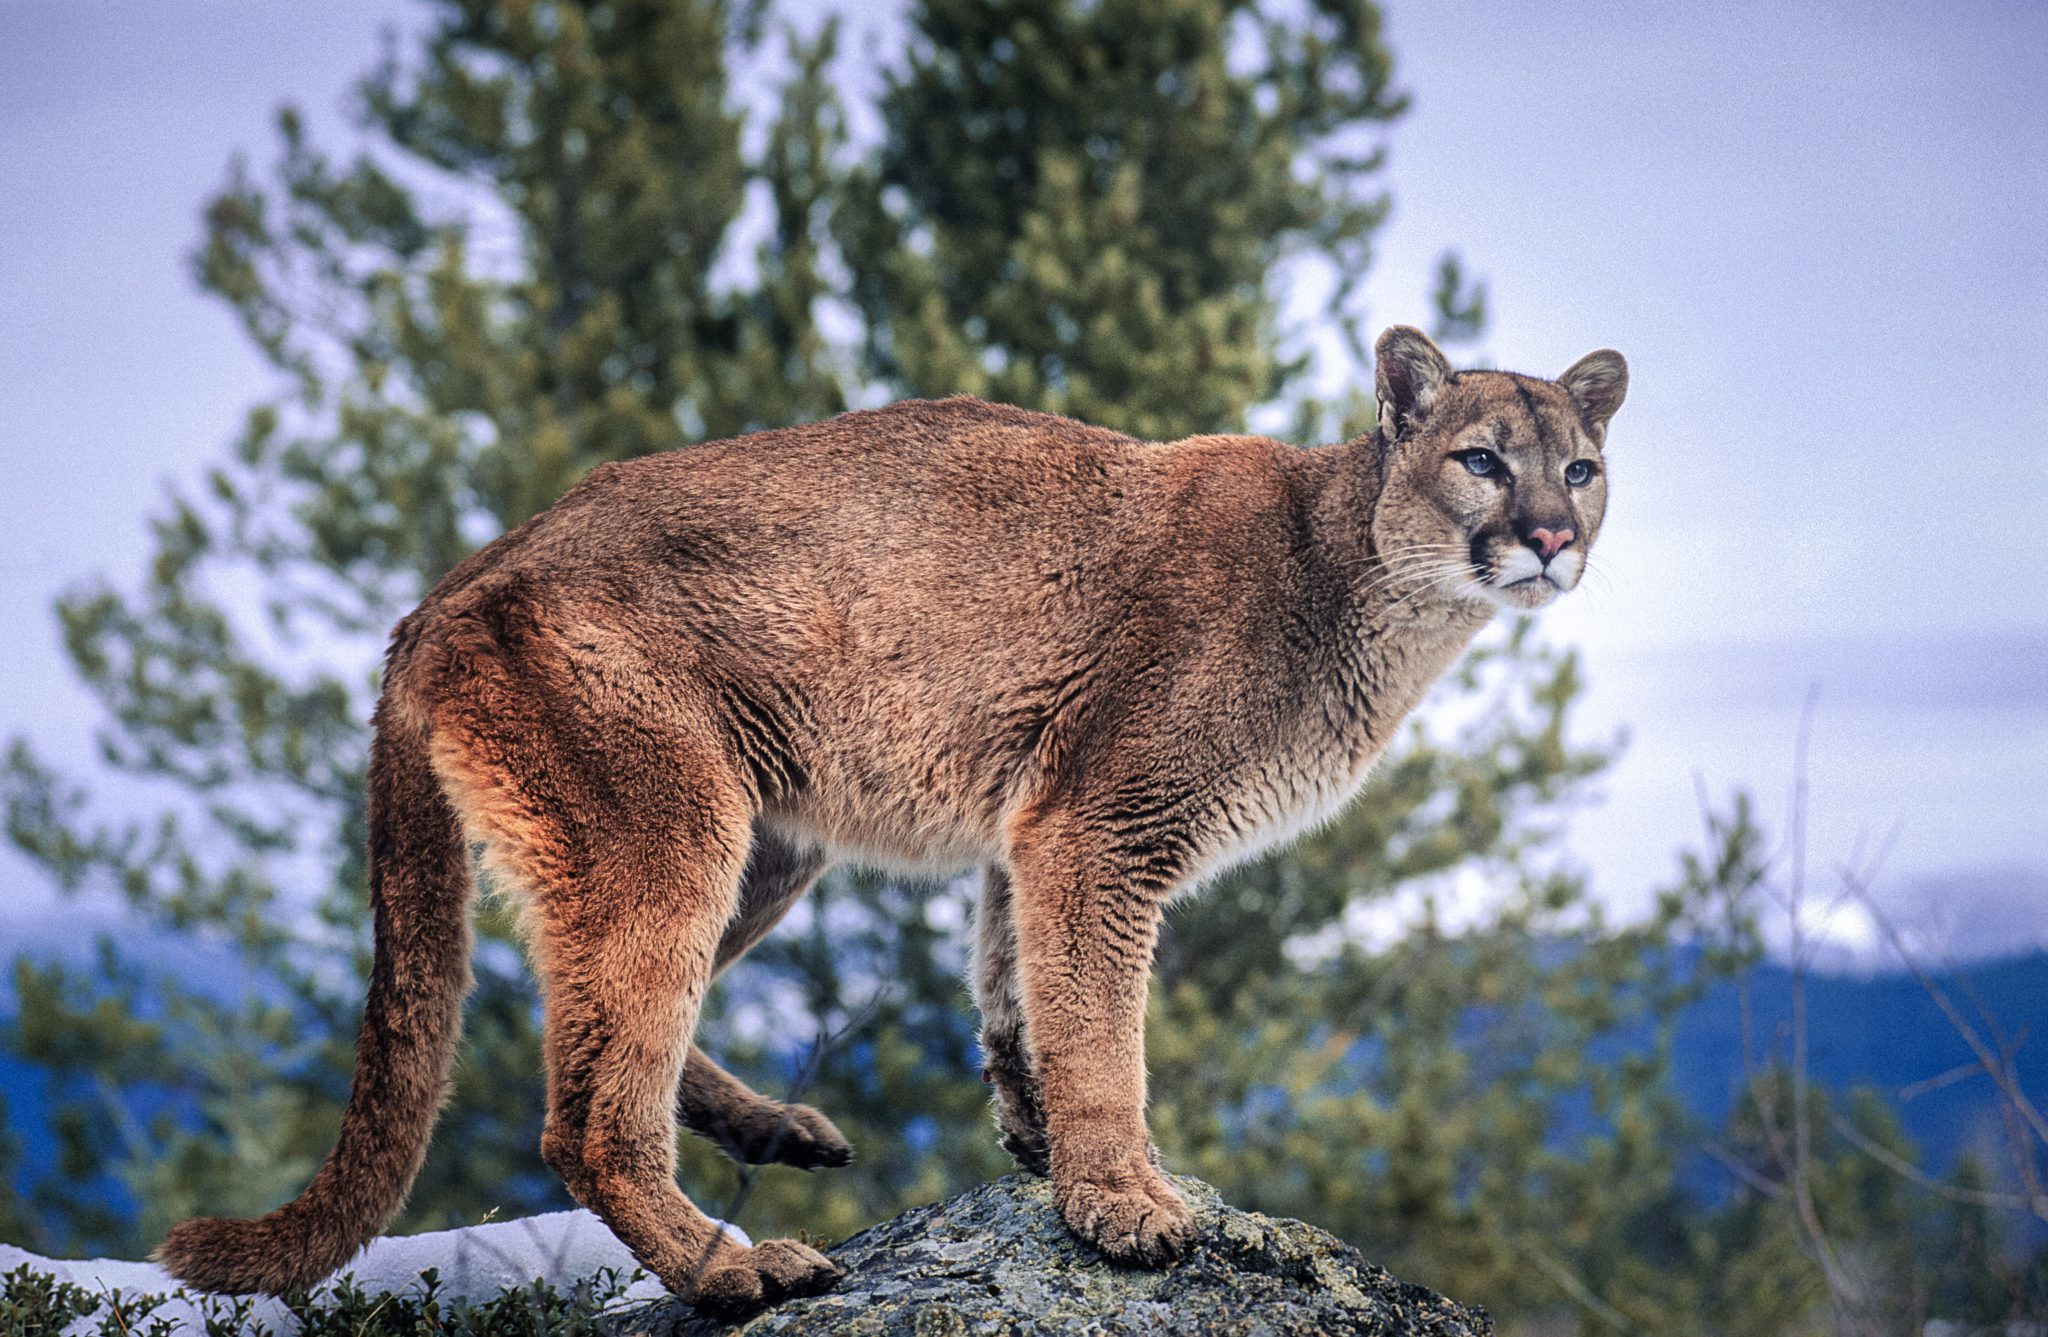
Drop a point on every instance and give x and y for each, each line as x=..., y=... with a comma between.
x=1815, y=229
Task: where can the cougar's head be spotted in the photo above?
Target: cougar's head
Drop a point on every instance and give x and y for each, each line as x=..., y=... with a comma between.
x=1494, y=483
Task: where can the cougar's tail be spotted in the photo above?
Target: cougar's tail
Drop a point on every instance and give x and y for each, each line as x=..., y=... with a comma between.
x=419, y=901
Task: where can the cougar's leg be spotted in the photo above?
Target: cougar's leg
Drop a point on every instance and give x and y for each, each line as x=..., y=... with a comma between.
x=746, y=1125
x=631, y=845
x=1005, y=1046
x=1087, y=900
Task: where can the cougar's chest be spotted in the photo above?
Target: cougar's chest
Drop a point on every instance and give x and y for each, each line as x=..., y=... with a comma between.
x=1330, y=728
x=1299, y=784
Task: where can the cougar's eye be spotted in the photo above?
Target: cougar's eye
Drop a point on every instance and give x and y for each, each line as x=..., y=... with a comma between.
x=1579, y=472
x=1483, y=463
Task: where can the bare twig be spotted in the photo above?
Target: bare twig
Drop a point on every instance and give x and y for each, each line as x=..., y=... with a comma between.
x=1573, y=1286
x=1987, y=1057
x=114, y=1307
x=1747, y=1173
x=1802, y=1120
x=1783, y=1167
x=1885, y=1156
x=1940, y=1081
x=1791, y=1148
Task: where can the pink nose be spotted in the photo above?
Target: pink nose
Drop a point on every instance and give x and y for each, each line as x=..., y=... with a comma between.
x=1550, y=542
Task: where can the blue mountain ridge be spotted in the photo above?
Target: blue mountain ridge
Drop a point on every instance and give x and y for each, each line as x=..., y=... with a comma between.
x=1877, y=1030
x=1881, y=1031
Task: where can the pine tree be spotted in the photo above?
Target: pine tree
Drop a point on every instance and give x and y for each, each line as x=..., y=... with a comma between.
x=1972, y=1282
x=17, y=1221
x=1084, y=208
x=526, y=273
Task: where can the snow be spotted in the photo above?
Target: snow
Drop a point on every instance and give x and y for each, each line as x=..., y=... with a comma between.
x=474, y=1263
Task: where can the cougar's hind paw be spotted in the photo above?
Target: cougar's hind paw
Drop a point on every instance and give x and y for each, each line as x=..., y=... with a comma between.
x=1027, y=1148
x=773, y=1270
x=1020, y=1117
x=806, y=1139
x=794, y=1135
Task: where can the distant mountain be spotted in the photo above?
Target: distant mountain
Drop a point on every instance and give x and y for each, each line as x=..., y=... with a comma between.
x=1877, y=1030
x=1985, y=914
x=1881, y=1031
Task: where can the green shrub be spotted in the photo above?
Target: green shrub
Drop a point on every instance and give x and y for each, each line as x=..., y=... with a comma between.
x=35, y=1304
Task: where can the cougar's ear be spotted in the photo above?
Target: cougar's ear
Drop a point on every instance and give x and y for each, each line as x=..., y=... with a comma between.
x=1408, y=371
x=1598, y=382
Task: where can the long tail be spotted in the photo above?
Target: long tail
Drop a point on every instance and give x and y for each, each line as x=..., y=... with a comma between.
x=419, y=900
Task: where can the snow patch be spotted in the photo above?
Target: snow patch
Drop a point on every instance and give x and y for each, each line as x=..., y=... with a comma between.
x=474, y=1263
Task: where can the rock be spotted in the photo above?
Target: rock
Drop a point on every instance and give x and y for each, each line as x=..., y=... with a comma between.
x=999, y=1260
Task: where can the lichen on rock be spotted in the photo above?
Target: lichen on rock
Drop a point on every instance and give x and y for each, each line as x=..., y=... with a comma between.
x=998, y=1259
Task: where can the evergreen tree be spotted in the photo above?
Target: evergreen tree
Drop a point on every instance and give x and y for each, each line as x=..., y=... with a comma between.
x=1972, y=1280
x=526, y=273
x=17, y=1221
x=1485, y=1110
x=1084, y=208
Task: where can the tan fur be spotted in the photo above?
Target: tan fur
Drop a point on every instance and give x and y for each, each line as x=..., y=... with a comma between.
x=926, y=637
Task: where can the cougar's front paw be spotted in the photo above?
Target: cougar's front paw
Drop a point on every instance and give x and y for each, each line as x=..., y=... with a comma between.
x=741, y=1281
x=1132, y=1215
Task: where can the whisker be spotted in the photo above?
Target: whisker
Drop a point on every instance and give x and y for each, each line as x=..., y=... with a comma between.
x=1395, y=577
x=1414, y=571
x=1442, y=545
x=1410, y=560
x=1421, y=570
x=1385, y=554
x=1403, y=560
x=1587, y=567
x=1441, y=576
x=1416, y=594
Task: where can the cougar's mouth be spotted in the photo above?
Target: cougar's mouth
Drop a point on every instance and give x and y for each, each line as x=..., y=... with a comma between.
x=1519, y=581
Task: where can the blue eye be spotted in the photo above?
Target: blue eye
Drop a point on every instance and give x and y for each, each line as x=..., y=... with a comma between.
x=1579, y=472
x=1482, y=463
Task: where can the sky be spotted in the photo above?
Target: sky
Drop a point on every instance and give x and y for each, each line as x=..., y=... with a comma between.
x=1815, y=229
x=1817, y=232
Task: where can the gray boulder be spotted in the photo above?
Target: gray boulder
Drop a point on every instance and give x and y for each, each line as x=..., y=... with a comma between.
x=998, y=1260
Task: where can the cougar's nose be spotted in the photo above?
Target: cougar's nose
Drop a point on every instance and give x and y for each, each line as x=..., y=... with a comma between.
x=1548, y=543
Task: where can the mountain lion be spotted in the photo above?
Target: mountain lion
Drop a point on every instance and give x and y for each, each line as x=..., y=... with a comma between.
x=926, y=637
